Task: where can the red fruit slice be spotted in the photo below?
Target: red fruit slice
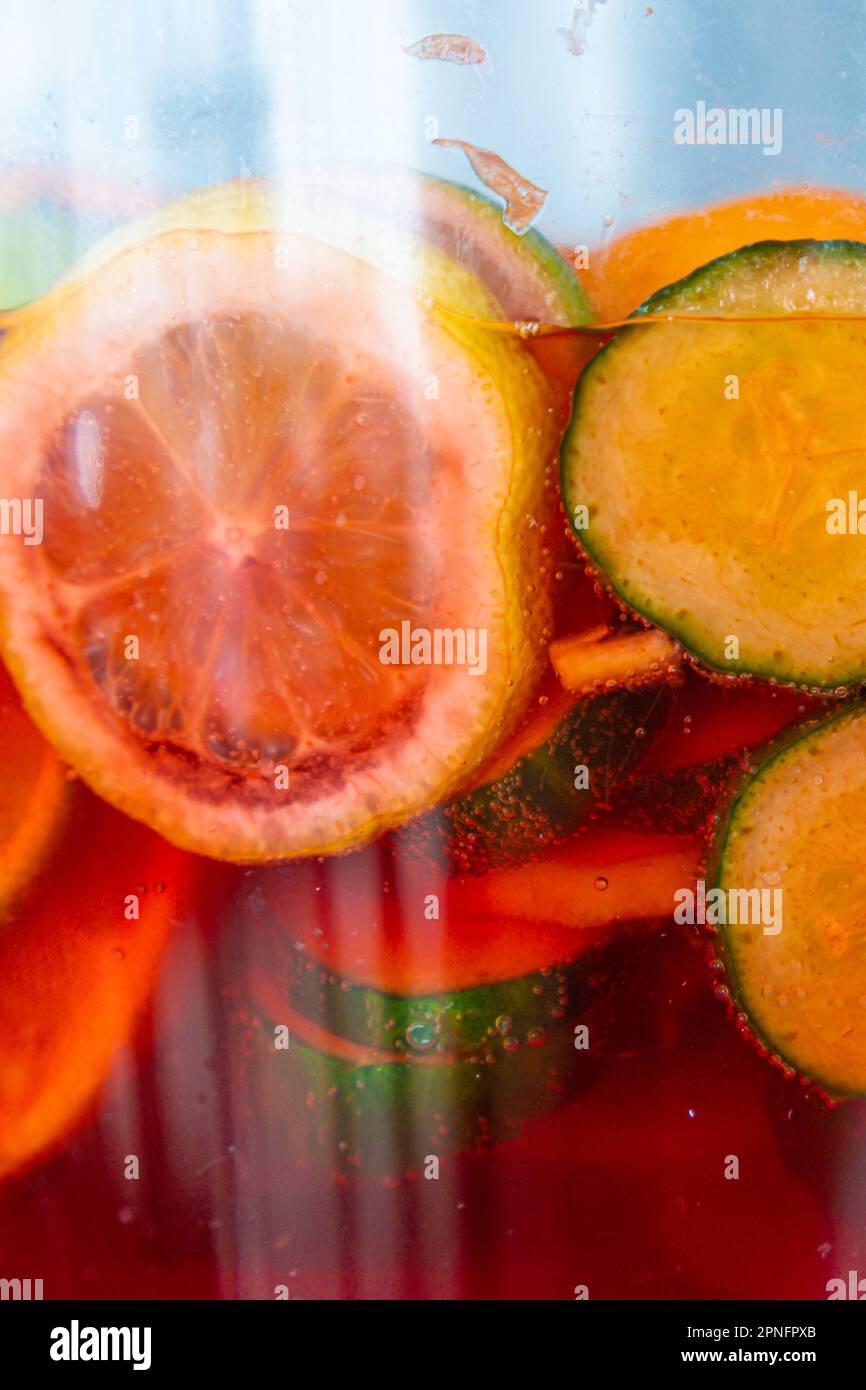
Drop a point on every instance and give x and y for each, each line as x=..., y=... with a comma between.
x=34, y=795
x=75, y=971
x=367, y=916
x=205, y=667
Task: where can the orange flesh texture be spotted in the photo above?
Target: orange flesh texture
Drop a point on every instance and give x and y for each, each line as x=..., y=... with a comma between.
x=260, y=646
x=75, y=972
x=34, y=794
x=260, y=408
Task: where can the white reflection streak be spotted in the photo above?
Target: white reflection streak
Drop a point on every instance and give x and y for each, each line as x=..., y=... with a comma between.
x=342, y=88
x=89, y=458
x=187, y=1033
x=412, y=893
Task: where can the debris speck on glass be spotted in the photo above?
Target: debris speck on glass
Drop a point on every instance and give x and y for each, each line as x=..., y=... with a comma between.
x=576, y=40
x=448, y=48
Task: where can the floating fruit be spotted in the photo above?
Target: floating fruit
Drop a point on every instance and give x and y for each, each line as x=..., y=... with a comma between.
x=627, y=269
x=384, y=1111
x=709, y=505
x=598, y=659
x=34, y=796
x=77, y=963
x=714, y=734
x=376, y=951
x=364, y=1112
x=525, y=275
x=544, y=787
x=792, y=906
x=607, y=876
x=461, y=1022
x=230, y=529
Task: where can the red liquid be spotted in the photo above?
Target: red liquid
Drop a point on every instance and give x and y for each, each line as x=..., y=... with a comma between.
x=621, y=1190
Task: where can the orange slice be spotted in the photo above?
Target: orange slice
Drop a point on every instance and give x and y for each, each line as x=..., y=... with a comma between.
x=76, y=968
x=34, y=794
x=257, y=458
x=629, y=268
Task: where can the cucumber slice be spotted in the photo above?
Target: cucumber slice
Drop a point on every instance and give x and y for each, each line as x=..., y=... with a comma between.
x=463, y=1022
x=550, y=791
x=342, y=1092
x=360, y=960
x=527, y=276
x=348, y=946
x=798, y=831
x=385, y=214
x=366, y=1111
x=375, y=1114
x=709, y=457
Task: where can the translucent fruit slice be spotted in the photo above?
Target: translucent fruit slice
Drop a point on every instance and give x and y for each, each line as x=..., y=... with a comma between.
x=625, y=270
x=431, y=234
x=34, y=795
x=794, y=853
x=256, y=456
x=526, y=275
x=75, y=972
x=705, y=459
x=392, y=217
x=348, y=940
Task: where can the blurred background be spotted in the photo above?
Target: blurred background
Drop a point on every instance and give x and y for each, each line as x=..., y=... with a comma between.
x=123, y=106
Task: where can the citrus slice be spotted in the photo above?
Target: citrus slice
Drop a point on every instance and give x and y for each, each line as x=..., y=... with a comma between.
x=288, y=591
x=33, y=795
x=628, y=269
x=76, y=971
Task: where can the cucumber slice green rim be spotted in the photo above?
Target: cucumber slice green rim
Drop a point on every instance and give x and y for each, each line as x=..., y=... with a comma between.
x=551, y=791
x=368, y=1111
x=707, y=458
x=385, y=1118
x=797, y=967
x=526, y=275
x=565, y=296
x=501, y=1014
